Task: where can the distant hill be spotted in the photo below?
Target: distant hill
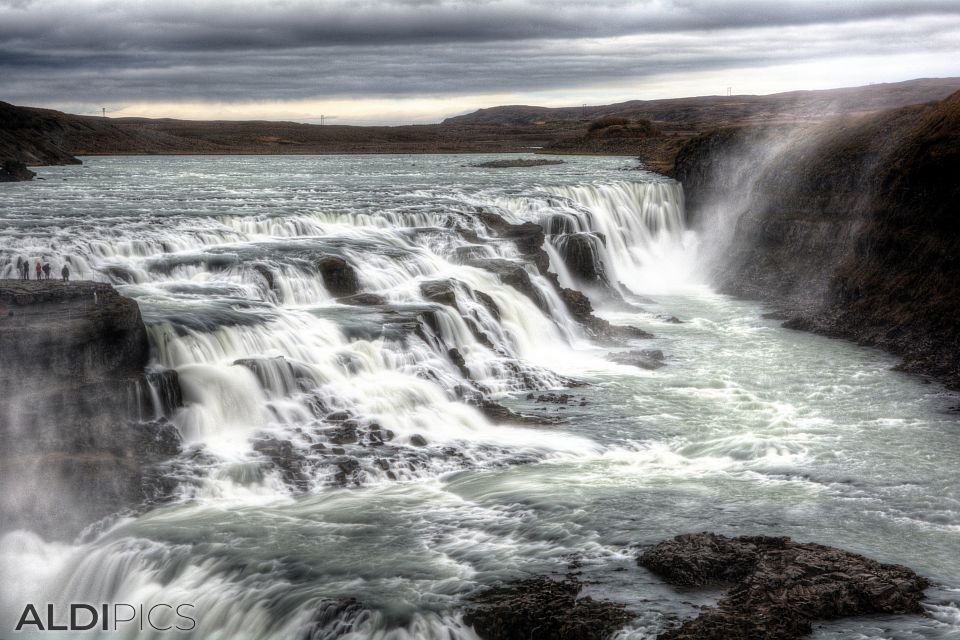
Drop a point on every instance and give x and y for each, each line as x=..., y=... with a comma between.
x=707, y=112
x=655, y=131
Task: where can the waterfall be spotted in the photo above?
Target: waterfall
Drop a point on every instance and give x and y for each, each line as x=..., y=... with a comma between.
x=631, y=233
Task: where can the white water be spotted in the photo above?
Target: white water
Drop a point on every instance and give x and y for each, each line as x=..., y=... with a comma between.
x=749, y=429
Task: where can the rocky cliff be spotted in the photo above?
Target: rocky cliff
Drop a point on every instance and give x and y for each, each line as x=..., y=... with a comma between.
x=81, y=426
x=851, y=227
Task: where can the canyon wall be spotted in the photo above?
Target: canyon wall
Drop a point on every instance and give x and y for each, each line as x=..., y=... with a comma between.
x=851, y=227
x=81, y=422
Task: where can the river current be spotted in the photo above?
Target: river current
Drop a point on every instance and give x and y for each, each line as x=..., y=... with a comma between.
x=749, y=428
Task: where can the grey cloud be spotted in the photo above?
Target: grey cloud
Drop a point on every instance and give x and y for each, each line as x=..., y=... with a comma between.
x=94, y=52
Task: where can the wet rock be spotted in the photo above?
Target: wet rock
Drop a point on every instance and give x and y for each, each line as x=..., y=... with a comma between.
x=363, y=300
x=581, y=309
x=649, y=359
x=581, y=255
x=333, y=618
x=513, y=274
x=457, y=359
x=555, y=398
x=672, y=319
x=338, y=416
x=439, y=291
x=778, y=586
x=417, y=440
x=339, y=276
x=528, y=237
x=543, y=609
x=489, y=303
x=286, y=458
x=496, y=412
x=346, y=433
x=158, y=439
x=81, y=443
x=348, y=472
x=15, y=171
x=266, y=274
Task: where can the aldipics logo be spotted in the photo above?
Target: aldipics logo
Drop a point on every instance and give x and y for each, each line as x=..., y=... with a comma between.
x=108, y=617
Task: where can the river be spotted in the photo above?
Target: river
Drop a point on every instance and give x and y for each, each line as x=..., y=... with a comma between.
x=749, y=428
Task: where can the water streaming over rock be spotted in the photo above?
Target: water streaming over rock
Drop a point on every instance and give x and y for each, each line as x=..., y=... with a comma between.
x=340, y=328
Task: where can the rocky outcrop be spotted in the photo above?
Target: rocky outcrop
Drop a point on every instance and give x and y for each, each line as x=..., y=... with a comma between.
x=529, y=238
x=15, y=171
x=581, y=308
x=849, y=227
x=29, y=138
x=542, y=608
x=339, y=276
x=79, y=433
x=778, y=586
x=581, y=255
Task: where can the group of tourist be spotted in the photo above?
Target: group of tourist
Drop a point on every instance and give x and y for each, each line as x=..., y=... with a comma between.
x=42, y=270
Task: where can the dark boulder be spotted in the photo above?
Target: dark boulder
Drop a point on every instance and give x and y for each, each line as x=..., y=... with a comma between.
x=439, y=291
x=15, y=171
x=778, y=586
x=418, y=440
x=489, y=303
x=457, y=359
x=543, y=609
x=339, y=276
x=581, y=309
x=287, y=459
x=581, y=255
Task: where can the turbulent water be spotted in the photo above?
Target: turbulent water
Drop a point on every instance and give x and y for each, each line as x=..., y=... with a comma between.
x=748, y=429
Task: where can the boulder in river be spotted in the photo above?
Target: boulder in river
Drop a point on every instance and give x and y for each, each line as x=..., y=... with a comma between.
x=778, y=586
x=581, y=255
x=339, y=276
x=15, y=171
x=543, y=608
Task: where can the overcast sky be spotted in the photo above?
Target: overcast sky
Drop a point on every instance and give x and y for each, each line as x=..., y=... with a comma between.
x=391, y=61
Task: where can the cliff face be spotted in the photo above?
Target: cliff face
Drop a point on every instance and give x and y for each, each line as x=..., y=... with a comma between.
x=852, y=226
x=31, y=139
x=79, y=438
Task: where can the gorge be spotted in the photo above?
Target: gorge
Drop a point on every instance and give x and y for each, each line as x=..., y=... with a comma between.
x=353, y=396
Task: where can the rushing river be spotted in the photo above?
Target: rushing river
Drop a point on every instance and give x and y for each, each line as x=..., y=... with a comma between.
x=748, y=429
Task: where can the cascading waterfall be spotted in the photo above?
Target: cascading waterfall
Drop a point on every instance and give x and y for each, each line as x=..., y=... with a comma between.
x=635, y=230
x=340, y=478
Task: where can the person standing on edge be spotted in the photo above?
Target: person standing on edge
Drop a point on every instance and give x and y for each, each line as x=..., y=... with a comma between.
x=46, y=271
x=65, y=272
x=24, y=270
x=39, y=270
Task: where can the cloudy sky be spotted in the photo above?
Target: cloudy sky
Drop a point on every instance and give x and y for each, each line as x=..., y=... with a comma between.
x=399, y=61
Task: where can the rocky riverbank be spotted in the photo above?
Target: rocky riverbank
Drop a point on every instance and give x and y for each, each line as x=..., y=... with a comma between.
x=849, y=227
x=81, y=424
x=776, y=589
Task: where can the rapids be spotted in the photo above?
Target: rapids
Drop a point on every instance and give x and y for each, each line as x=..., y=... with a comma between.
x=748, y=429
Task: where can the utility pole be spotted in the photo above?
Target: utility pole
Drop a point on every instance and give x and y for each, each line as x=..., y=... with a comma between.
x=321, y=119
x=103, y=111
x=729, y=91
